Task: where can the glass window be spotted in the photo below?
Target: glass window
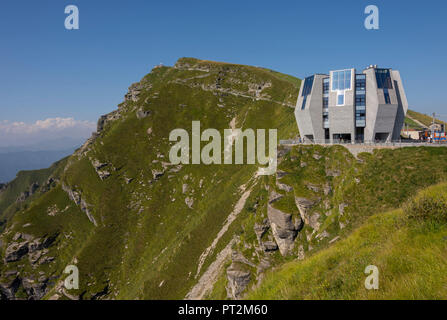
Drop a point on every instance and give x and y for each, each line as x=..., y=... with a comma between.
x=383, y=78
x=360, y=100
x=308, y=83
x=325, y=102
x=303, y=106
x=341, y=99
x=360, y=82
x=326, y=85
x=341, y=80
x=334, y=80
x=387, y=96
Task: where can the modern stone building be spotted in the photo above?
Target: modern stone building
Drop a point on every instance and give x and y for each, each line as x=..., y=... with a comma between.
x=352, y=107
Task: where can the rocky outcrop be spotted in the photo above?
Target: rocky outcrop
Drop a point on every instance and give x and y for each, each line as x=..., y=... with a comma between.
x=341, y=208
x=238, y=280
x=134, y=92
x=104, y=120
x=332, y=172
x=269, y=246
x=76, y=197
x=35, y=248
x=285, y=227
x=141, y=114
x=261, y=228
x=284, y=187
x=15, y=251
x=9, y=288
x=3, y=187
x=26, y=194
x=189, y=202
x=34, y=289
x=304, y=205
x=157, y=174
x=99, y=168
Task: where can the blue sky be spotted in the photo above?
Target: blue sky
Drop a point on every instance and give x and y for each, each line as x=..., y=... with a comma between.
x=47, y=71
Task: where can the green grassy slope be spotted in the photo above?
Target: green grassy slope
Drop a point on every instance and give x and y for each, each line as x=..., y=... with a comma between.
x=423, y=118
x=409, y=252
x=146, y=234
x=138, y=227
x=345, y=191
x=8, y=197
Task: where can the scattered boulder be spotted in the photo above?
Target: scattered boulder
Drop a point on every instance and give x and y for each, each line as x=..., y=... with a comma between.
x=103, y=174
x=313, y=187
x=304, y=205
x=274, y=196
x=300, y=253
x=157, y=174
x=341, y=208
x=284, y=187
x=332, y=173
x=15, y=251
x=189, y=202
x=238, y=280
x=134, y=92
x=141, y=114
x=9, y=289
x=285, y=228
x=280, y=174
x=75, y=196
x=327, y=189
x=261, y=229
x=269, y=246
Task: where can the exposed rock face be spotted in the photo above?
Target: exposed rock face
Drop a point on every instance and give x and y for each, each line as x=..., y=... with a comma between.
x=75, y=196
x=9, y=289
x=238, y=280
x=341, y=208
x=2, y=187
x=284, y=187
x=107, y=118
x=141, y=114
x=36, y=249
x=26, y=194
x=15, y=251
x=304, y=205
x=99, y=168
x=261, y=229
x=284, y=228
x=157, y=174
x=189, y=202
x=313, y=187
x=134, y=92
x=270, y=246
x=35, y=290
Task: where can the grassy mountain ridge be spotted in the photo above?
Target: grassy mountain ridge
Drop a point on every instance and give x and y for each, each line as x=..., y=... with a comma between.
x=138, y=227
x=132, y=209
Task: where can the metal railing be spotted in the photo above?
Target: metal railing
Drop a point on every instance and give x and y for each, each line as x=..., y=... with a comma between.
x=397, y=143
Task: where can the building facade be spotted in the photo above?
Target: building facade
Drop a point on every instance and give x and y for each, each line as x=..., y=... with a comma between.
x=346, y=106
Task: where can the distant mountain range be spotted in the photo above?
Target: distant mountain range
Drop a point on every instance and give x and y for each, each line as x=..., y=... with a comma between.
x=32, y=157
x=13, y=162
